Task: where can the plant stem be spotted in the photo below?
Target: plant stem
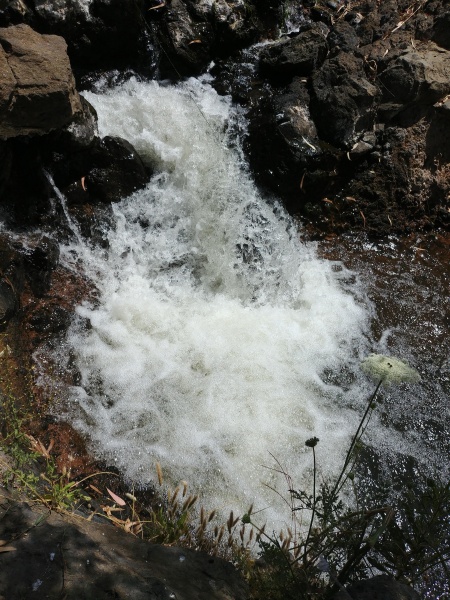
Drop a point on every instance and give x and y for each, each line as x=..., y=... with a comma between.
x=313, y=508
x=338, y=486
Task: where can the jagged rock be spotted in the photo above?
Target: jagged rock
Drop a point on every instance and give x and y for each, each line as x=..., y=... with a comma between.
x=285, y=151
x=441, y=33
x=186, y=41
x=84, y=559
x=381, y=587
x=100, y=34
x=107, y=171
x=81, y=132
x=299, y=56
x=13, y=12
x=37, y=88
x=420, y=74
x=342, y=102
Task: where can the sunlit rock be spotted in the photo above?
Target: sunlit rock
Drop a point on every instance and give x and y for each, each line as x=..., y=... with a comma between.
x=37, y=87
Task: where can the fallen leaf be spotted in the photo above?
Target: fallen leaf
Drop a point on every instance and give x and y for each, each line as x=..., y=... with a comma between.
x=83, y=179
x=157, y=6
x=7, y=548
x=95, y=489
x=195, y=42
x=116, y=498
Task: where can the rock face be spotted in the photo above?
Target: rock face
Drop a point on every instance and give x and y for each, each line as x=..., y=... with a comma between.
x=300, y=55
x=37, y=87
x=354, y=136
x=75, y=558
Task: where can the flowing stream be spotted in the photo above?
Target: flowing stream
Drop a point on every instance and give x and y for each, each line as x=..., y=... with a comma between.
x=219, y=340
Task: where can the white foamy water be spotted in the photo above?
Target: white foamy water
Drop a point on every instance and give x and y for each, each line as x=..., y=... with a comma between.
x=217, y=333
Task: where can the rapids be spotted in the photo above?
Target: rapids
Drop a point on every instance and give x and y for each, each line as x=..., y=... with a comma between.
x=219, y=339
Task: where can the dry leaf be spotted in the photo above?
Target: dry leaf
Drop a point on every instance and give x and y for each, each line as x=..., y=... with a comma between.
x=157, y=6
x=116, y=498
x=7, y=548
x=82, y=184
x=195, y=42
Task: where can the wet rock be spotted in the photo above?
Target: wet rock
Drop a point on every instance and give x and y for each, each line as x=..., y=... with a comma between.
x=186, y=41
x=100, y=34
x=37, y=88
x=381, y=587
x=24, y=199
x=192, y=33
x=342, y=102
x=93, y=560
x=107, y=171
x=41, y=256
x=80, y=133
x=50, y=320
x=8, y=302
x=13, y=12
x=11, y=280
x=285, y=150
x=299, y=56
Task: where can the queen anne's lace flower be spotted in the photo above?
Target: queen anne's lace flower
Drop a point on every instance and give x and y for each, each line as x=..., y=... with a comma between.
x=389, y=370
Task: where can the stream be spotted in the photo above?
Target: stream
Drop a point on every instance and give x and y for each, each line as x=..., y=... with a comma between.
x=221, y=339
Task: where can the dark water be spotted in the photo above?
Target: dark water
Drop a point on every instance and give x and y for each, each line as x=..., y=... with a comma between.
x=408, y=281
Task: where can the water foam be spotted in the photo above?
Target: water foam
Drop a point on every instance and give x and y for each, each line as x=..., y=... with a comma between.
x=218, y=335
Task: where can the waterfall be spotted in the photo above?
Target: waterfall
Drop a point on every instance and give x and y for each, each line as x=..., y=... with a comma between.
x=218, y=338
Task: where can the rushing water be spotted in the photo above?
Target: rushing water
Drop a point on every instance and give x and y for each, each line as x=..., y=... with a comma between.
x=219, y=339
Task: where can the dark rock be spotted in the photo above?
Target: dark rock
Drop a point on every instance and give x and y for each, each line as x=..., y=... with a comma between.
x=193, y=33
x=37, y=88
x=11, y=280
x=8, y=301
x=186, y=41
x=41, y=258
x=441, y=33
x=102, y=34
x=13, y=12
x=342, y=103
x=343, y=37
x=285, y=151
x=80, y=133
x=299, y=56
x=381, y=587
x=420, y=74
x=50, y=320
x=107, y=172
x=24, y=199
x=88, y=560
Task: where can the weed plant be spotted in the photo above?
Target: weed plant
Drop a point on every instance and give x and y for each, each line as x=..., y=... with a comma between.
x=340, y=543
x=343, y=544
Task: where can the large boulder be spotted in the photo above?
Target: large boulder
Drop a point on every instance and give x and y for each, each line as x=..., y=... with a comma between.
x=419, y=74
x=37, y=87
x=85, y=559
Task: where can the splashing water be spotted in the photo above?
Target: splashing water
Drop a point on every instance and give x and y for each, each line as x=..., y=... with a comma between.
x=218, y=335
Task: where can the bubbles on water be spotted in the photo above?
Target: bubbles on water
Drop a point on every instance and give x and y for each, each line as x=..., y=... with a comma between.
x=215, y=325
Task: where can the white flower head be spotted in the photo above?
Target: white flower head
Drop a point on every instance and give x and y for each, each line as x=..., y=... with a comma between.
x=389, y=370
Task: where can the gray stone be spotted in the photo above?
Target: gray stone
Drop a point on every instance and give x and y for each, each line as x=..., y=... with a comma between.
x=381, y=587
x=421, y=74
x=68, y=556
